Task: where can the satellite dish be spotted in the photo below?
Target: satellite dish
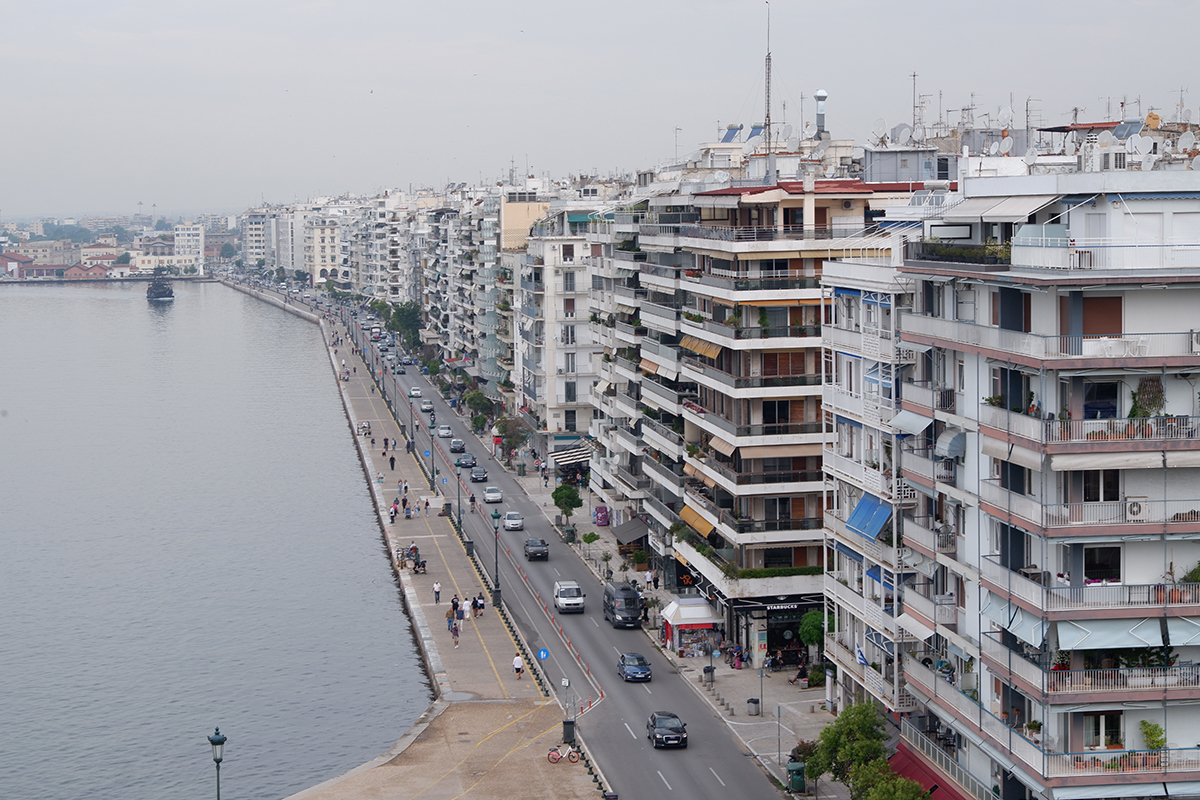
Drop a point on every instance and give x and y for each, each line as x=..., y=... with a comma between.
x=994, y=149
x=902, y=132
x=1031, y=156
x=1153, y=121
x=1131, y=144
x=880, y=130
x=857, y=153
x=750, y=144
x=1187, y=115
x=1196, y=162
x=830, y=171
x=919, y=133
x=1104, y=139
x=787, y=132
x=819, y=150
x=1186, y=141
x=1143, y=144
x=1006, y=117
x=793, y=143
x=721, y=176
x=1148, y=161
x=810, y=130
x=1006, y=145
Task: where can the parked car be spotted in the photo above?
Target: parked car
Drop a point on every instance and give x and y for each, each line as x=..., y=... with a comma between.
x=513, y=521
x=444, y=432
x=492, y=494
x=633, y=667
x=458, y=446
x=465, y=460
x=534, y=548
x=665, y=729
x=478, y=475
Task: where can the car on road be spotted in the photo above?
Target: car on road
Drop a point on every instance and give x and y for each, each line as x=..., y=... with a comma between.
x=465, y=460
x=535, y=548
x=383, y=348
x=513, y=521
x=399, y=370
x=414, y=391
x=478, y=475
x=665, y=729
x=406, y=360
x=458, y=446
x=427, y=405
x=568, y=596
x=389, y=358
x=633, y=667
x=492, y=494
x=444, y=432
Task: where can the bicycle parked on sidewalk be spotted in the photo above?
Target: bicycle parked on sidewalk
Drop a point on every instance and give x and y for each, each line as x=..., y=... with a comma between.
x=557, y=753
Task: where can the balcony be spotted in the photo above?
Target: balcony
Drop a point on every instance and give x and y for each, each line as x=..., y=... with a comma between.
x=737, y=333
x=662, y=438
x=532, y=285
x=1074, y=431
x=655, y=310
x=702, y=417
x=1089, y=597
x=728, y=477
x=665, y=396
x=952, y=253
x=638, y=483
x=630, y=439
x=702, y=372
x=926, y=533
x=663, y=474
x=873, y=480
x=944, y=762
x=1127, y=512
x=630, y=334
x=1066, y=349
x=713, y=570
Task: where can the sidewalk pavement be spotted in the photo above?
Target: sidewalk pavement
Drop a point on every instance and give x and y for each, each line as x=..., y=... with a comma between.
x=788, y=713
x=486, y=735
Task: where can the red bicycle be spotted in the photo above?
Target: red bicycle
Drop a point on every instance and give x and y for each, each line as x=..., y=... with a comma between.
x=556, y=754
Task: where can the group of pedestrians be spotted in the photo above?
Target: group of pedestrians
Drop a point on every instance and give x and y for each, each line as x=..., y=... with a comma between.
x=457, y=611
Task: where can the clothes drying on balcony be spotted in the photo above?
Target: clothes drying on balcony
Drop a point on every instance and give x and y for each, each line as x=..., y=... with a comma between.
x=951, y=444
x=869, y=517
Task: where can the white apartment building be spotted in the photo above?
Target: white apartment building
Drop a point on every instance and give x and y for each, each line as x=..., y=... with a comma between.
x=189, y=243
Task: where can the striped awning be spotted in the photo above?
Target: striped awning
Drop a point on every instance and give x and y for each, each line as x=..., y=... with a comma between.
x=649, y=366
x=578, y=454
x=706, y=349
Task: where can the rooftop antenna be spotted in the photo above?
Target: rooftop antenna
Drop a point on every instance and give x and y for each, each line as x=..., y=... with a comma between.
x=770, y=154
x=916, y=113
x=677, y=130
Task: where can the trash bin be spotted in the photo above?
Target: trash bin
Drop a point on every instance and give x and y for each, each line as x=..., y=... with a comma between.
x=568, y=731
x=569, y=534
x=795, y=776
x=753, y=707
x=470, y=545
x=521, y=470
x=709, y=673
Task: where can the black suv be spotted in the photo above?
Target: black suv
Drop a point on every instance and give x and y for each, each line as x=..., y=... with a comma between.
x=664, y=729
x=537, y=548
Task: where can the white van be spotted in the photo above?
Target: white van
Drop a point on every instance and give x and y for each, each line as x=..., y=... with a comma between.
x=568, y=596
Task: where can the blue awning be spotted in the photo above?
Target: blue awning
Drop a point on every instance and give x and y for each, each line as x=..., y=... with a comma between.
x=840, y=292
x=1155, y=196
x=847, y=552
x=869, y=517
x=846, y=421
x=873, y=574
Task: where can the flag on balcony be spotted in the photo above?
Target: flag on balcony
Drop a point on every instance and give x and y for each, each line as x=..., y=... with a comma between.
x=862, y=659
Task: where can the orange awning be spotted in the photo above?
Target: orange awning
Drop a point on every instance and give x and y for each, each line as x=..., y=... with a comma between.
x=649, y=366
x=706, y=349
x=692, y=518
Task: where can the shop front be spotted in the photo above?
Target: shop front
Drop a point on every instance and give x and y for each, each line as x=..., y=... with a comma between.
x=690, y=626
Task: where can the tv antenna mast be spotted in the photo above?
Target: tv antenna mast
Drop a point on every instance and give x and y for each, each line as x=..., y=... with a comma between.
x=768, y=76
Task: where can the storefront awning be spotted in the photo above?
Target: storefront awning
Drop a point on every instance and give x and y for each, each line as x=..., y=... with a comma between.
x=693, y=518
x=910, y=422
x=706, y=349
x=631, y=531
x=578, y=454
x=908, y=765
x=1018, y=209
x=721, y=446
x=690, y=612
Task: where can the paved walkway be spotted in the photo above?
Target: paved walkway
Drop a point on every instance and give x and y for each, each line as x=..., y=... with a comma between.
x=486, y=735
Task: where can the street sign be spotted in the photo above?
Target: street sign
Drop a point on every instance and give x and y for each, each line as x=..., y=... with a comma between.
x=543, y=654
x=443, y=481
x=566, y=682
x=428, y=454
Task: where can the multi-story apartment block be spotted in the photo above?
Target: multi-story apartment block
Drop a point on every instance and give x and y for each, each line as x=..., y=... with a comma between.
x=1034, y=613
x=189, y=243
x=257, y=234
x=323, y=249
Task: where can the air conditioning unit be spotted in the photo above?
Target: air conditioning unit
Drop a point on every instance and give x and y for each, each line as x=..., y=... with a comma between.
x=847, y=204
x=1137, y=509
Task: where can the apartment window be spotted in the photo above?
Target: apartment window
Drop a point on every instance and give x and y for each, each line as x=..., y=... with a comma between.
x=1103, y=728
x=776, y=508
x=569, y=394
x=777, y=557
x=569, y=419
x=568, y=334
x=1101, y=486
x=569, y=362
x=569, y=307
x=1102, y=563
x=1100, y=400
x=775, y=412
x=568, y=256
x=568, y=277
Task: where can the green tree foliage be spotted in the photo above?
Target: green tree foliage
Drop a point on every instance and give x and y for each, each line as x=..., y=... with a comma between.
x=865, y=777
x=513, y=434
x=477, y=401
x=812, y=628
x=123, y=258
x=898, y=788
x=855, y=737
x=301, y=275
x=75, y=233
x=228, y=251
x=405, y=319
x=433, y=367
x=567, y=499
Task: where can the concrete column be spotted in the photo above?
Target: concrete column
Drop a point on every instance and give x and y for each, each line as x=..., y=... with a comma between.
x=810, y=201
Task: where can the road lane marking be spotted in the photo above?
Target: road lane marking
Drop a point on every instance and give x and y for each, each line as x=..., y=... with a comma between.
x=631, y=733
x=715, y=775
x=597, y=624
x=614, y=647
x=664, y=780
x=647, y=688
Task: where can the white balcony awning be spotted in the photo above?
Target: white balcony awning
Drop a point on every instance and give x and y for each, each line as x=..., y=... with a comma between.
x=721, y=446
x=1014, y=453
x=1018, y=209
x=1016, y=620
x=910, y=422
x=917, y=629
x=1183, y=630
x=1183, y=458
x=1178, y=789
x=1093, y=634
x=780, y=450
x=951, y=444
x=1116, y=790
x=971, y=210
x=1067, y=462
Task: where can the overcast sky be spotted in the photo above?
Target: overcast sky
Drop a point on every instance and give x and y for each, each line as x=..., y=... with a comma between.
x=220, y=105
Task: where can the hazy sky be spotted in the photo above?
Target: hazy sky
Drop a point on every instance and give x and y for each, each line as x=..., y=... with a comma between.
x=218, y=105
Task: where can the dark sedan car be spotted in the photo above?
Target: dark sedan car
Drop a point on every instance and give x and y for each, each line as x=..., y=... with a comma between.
x=664, y=729
x=465, y=460
x=633, y=667
x=478, y=475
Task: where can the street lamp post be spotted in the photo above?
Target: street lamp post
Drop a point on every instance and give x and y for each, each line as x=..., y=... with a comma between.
x=432, y=432
x=218, y=745
x=496, y=574
x=458, y=494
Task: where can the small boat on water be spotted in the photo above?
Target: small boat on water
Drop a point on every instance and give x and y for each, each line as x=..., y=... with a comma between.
x=160, y=289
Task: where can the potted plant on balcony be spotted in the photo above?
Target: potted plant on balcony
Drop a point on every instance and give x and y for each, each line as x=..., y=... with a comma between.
x=1155, y=740
x=1033, y=730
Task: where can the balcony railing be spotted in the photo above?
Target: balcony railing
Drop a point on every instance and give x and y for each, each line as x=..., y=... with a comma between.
x=1130, y=511
x=663, y=431
x=931, y=750
x=776, y=429
x=745, y=233
x=1035, y=345
x=1060, y=252
x=956, y=253
x=743, y=525
x=755, y=478
x=1119, y=429
x=1091, y=596
x=761, y=381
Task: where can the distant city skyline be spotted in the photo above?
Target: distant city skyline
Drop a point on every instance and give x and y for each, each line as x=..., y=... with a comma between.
x=276, y=103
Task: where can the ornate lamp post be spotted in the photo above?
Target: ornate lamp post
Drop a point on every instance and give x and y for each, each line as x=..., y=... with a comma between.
x=496, y=574
x=218, y=745
x=458, y=494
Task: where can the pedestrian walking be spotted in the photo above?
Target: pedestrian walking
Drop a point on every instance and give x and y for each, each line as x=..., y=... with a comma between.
x=379, y=479
x=518, y=665
x=372, y=441
x=481, y=602
x=392, y=461
x=454, y=601
x=392, y=514
x=545, y=481
x=427, y=506
x=454, y=634
x=437, y=592
x=449, y=618
x=656, y=579
x=406, y=488
x=649, y=578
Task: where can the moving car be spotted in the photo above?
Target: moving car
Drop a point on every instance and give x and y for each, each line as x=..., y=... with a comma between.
x=622, y=605
x=534, y=548
x=414, y=391
x=458, y=446
x=513, y=521
x=427, y=405
x=492, y=494
x=633, y=667
x=478, y=475
x=465, y=460
x=444, y=432
x=665, y=729
x=568, y=596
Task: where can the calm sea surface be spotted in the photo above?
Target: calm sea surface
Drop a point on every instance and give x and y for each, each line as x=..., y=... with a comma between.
x=186, y=541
